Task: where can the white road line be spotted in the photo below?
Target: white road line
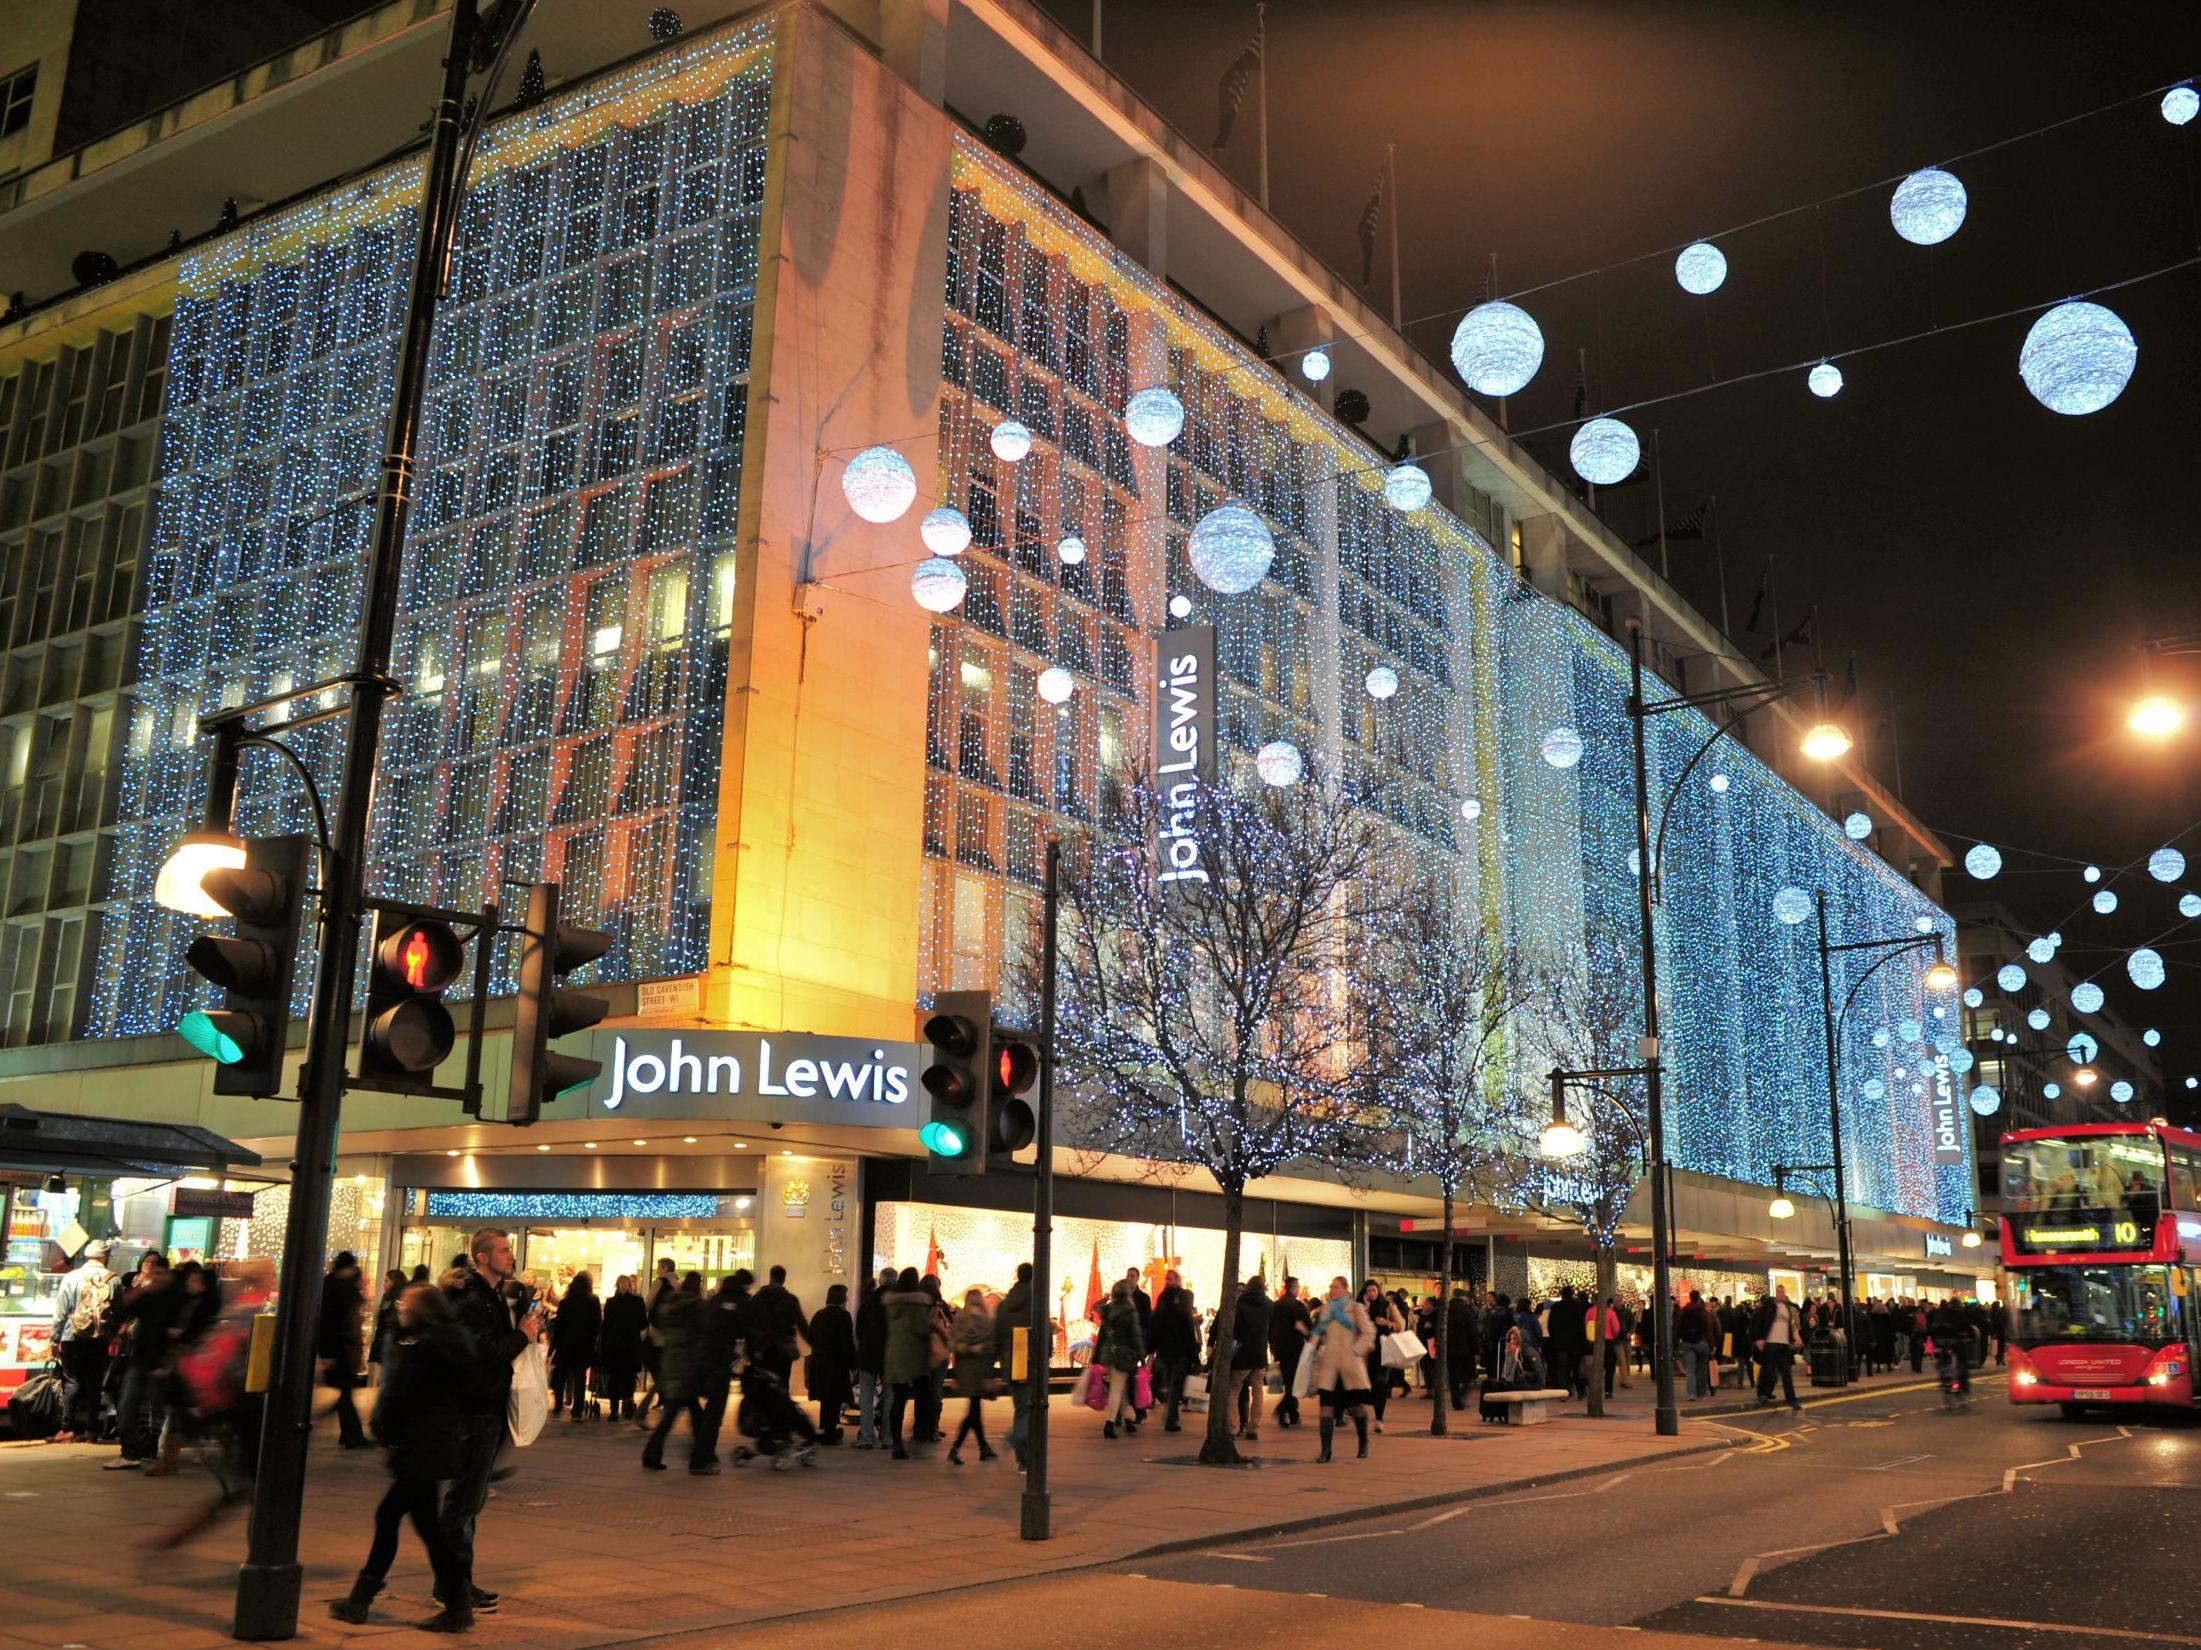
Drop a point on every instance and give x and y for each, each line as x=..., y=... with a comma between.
x=1240, y=1558
x=1949, y=1621
x=1899, y=1461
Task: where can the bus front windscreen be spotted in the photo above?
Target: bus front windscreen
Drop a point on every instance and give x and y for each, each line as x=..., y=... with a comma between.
x=2100, y=1192
x=2130, y=1305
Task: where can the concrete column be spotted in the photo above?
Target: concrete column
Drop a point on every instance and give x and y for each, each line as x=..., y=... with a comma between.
x=1135, y=204
x=913, y=43
x=1544, y=554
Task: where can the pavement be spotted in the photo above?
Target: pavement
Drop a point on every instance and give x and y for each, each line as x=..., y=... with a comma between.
x=590, y=1550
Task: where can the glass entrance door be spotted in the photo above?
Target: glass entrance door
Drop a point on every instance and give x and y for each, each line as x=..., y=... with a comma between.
x=714, y=1252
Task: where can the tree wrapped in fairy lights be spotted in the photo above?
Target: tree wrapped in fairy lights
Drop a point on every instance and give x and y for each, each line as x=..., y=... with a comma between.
x=1585, y=1015
x=1216, y=1022
x=1446, y=999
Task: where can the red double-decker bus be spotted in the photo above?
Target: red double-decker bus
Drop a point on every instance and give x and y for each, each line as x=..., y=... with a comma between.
x=2101, y=1247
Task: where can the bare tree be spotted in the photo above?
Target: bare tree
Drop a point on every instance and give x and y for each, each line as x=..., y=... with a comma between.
x=1440, y=1021
x=1586, y=1016
x=1209, y=1019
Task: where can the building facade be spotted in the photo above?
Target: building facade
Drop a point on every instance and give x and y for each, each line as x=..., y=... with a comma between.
x=647, y=650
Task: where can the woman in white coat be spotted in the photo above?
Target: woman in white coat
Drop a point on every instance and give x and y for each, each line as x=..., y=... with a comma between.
x=1338, y=1378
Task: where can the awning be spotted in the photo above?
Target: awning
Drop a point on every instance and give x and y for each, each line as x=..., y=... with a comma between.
x=47, y=1142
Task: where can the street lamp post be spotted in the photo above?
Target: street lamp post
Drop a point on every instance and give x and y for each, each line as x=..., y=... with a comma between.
x=1824, y=743
x=1036, y=1512
x=1940, y=975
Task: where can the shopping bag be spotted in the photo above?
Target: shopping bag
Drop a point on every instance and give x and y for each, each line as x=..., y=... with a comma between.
x=529, y=1406
x=1093, y=1393
x=1193, y=1394
x=1142, y=1388
x=1303, y=1375
x=1402, y=1350
x=39, y=1405
x=1712, y=1374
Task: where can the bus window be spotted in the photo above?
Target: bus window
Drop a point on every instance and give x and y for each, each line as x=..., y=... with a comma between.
x=2103, y=1178
x=2097, y=1303
x=2185, y=1178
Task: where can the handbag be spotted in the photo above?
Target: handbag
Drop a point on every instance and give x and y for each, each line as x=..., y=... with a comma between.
x=1303, y=1375
x=529, y=1406
x=35, y=1410
x=1402, y=1350
x=1142, y=1388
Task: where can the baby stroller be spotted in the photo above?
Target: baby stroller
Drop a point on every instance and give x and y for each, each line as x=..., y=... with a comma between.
x=770, y=1417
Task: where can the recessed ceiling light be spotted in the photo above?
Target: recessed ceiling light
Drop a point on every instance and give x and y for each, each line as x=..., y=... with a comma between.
x=453, y=1152
x=542, y=1148
x=590, y=1144
x=784, y=1152
x=741, y=1145
x=641, y=1142
x=687, y=1139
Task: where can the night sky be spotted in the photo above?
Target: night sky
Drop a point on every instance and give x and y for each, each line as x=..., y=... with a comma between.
x=1990, y=563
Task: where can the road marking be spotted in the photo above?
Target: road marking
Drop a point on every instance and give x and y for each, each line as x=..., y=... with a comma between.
x=1899, y=1461
x=1240, y=1558
x=1949, y=1621
x=2010, y=1474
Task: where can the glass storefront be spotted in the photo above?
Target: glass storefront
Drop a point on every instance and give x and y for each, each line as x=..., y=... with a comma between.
x=556, y=1235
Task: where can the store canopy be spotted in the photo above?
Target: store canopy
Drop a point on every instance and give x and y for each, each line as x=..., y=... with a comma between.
x=47, y=1142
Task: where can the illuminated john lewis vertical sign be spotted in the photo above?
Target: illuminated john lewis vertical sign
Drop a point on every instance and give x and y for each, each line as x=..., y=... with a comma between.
x=1184, y=751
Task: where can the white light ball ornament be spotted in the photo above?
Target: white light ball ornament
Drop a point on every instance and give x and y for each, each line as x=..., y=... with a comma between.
x=2093, y=873
x=2105, y=901
x=2121, y=1092
x=1792, y=906
x=1985, y=1100
x=2189, y=905
x=946, y=531
x=2166, y=865
x=1010, y=441
x=879, y=484
x=1561, y=748
x=1153, y=417
x=1719, y=783
x=1180, y=607
x=1056, y=684
x=2151, y=1037
x=1928, y=207
x=1497, y=348
x=1231, y=549
x=2082, y=1048
x=1471, y=810
x=1382, y=682
x=2077, y=358
x=2010, y=977
x=1873, y=1089
x=1973, y=996
x=1983, y=861
x=2180, y=104
x=1406, y=489
x=938, y=584
x=2145, y=967
x=2041, y=950
x=1824, y=380
x=1857, y=827
x=1071, y=550
x=2086, y=997
x=1279, y=763
x=1701, y=268
x=1314, y=366
x=2038, y=1018
x=1604, y=452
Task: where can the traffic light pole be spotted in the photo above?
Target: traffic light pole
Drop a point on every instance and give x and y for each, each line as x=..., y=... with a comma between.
x=269, y=1581
x=1038, y=1507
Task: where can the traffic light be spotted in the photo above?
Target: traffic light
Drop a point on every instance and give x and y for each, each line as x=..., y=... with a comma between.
x=1014, y=1067
x=414, y=960
x=550, y=950
x=958, y=1081
x=253, y=965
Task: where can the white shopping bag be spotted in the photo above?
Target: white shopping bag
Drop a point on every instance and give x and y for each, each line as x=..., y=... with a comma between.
x=1403, y=1350
x=529, y=1405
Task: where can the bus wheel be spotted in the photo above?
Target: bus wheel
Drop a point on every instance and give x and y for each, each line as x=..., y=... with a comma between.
x=2072, y=1412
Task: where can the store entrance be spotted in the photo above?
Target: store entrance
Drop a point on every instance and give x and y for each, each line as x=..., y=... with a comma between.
x=605, y=1250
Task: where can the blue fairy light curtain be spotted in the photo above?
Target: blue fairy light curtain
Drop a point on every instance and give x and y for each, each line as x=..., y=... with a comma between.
x=562, y=635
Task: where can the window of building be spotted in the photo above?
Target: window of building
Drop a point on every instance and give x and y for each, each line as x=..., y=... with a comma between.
x=16, y=93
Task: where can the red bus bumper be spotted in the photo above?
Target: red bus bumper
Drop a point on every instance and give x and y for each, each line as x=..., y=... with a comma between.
x=2176, y=1392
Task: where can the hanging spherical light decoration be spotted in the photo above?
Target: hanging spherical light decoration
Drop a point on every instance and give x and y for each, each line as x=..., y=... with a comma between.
x=1180, y=607
x=2038, y=1018
x=1880, y=1039
x=1792, y=906
x=2189, y=905
x=2086, y=997
x=1910, y=1031
x=2040, y=950
x=2010, y=977
x=1010, y=440
x=2121, y=1092
x=2151, y=1037
x=2049, y=1091
x=1471, y=809
x=1604, y=452
x=1985, y=1100
x=1925, y=925
x=1719, y=783
x=1153, y=417
x=1279, y=763
x=1700, y=268
x=938, y=584
x=1982, y=860
x=1873, y=1089
x=2180, y=105
x=1056, y=684
x=1231, y=548
x=1562, y=747
x=946, y=531
x=2145, y=966
x=1406, y=489
x=1314, y=366
x=1857, y=827
x=2105, y=901
x=1961, y=1060
x=2093, y=873
x=2077, y=358
x=1497, y=348
x=1382, y=682
x=2166, y=865
x=879, y=484
x=1825, y=380
x=1071, y=550
x=1973, y=996
x=1928, y=207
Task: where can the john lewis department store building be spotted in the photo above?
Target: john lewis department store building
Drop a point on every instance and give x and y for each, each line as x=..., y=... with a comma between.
x=648, y=651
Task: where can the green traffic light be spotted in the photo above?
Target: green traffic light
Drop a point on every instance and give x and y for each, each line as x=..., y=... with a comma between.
x=202, y=1033
x=944, y=1139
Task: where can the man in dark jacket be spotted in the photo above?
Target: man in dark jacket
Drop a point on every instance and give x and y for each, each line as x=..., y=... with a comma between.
x=716, y=1342
x=1249, y=1355
x=1563, y=1341
x=340, y=1344
x=497, y=1330
x=871, y=1359
x=1497, y=1319
x=1290, y=1324
x=1176, y=1344
x=1016, y=1312
x=1776, y=1334
x=1462, y=1336
x=776, y=1319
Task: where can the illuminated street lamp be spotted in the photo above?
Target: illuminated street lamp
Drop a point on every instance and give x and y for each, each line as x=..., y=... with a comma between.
x=1941, y=977
x=1560, y=1138
x=178, y=886
x=2086, y=1077
x=2157, y=716
x=1826, y=742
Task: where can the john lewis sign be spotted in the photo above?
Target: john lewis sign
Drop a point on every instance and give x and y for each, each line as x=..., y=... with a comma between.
x=765, y=1076
x=1184, y=751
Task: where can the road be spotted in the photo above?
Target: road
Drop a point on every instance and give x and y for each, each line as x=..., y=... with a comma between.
x=1874, y=1521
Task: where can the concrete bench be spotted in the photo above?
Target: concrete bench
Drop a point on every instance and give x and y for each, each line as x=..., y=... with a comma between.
x=1527, y=1409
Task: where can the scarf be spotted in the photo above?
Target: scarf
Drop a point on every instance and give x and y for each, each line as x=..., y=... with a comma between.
x=1339, y=1313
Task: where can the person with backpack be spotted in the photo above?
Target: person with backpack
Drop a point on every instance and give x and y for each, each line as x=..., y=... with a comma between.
x=81, y=1329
